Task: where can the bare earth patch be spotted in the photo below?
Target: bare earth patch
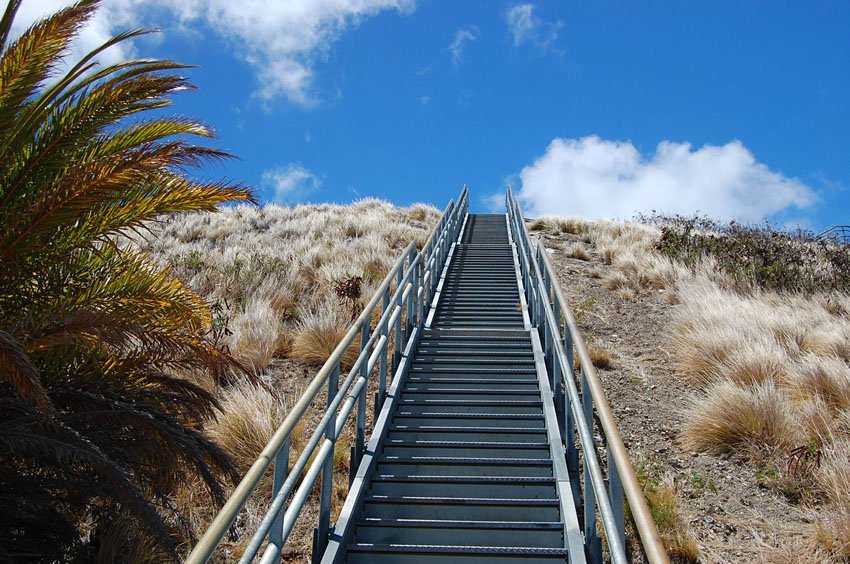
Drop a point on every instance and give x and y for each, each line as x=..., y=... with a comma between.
x=732, y=516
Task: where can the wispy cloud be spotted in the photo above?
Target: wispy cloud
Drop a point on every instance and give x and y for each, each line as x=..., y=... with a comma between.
x=290, y=183
x=593, y=177
x=281, y=41
x=463, y=37
x=526, y=27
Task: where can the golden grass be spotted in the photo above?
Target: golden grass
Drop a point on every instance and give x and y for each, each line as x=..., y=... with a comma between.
x=832, y=531
x=250, y=415
x=662, y=497
x=317, y=335
x=600, y=357
x=735, y=418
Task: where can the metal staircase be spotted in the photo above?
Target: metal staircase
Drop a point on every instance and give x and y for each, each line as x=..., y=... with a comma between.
x=465, y=472
x=487, y=440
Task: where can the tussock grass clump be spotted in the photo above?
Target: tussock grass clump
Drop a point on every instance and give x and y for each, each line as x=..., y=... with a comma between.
x=576, y=251
x=317, y=335
x=249, y=416
x=832, y=530
x=730, y=417
x=600, y=357
x=258, y=334
x=558, y=225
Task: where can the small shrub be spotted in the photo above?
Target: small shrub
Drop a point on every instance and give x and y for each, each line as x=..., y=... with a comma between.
x=581, y=309
x=757, y=256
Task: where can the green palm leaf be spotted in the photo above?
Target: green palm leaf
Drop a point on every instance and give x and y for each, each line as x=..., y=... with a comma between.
x=96, y=423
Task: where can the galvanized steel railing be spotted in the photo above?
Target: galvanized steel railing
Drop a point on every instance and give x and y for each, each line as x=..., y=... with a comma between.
x=601, y=490
x=414, y=278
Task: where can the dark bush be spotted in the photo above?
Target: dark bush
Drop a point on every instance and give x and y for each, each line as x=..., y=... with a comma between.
x=756, y=256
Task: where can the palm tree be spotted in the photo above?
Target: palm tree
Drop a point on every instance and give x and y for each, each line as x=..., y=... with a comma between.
x=97, y=426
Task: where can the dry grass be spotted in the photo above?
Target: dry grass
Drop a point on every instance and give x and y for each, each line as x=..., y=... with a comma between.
x=662, y=497
x=832, y=531
x=732, y=417
x=770, y=369
x=317, y=335
x=572, y=225
x=250, y=415
x=576, y=251
x=269, y=267
x=600, y=357
x=271, y=273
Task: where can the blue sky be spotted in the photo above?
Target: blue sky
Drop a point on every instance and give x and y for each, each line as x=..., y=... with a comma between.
x=736, y=109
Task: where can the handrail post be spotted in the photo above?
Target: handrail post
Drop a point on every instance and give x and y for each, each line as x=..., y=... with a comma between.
x=592, y=541
x=360, y=433
x=382, y=370
x=397, y=342
x=320, y=539
x=281, y=471
x=615, y=494
x=411, y=312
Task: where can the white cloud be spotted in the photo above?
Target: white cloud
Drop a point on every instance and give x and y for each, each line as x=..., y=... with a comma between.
x=526, y=27
x=101, y=27
x=593, y=177
x=291, y=182
x=463, y=37
x=281, y=40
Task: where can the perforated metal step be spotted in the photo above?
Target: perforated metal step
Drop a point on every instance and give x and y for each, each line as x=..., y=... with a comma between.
x=464, y=472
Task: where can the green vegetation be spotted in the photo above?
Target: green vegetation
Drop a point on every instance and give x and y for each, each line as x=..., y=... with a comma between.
x=756, y=256
x=98, y=426
x=661, y=493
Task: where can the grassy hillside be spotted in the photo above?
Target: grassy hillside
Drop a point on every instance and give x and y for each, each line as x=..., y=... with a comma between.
x=753, y=376
x=281, y=281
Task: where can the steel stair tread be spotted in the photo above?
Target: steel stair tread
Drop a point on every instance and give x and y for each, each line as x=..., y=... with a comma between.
x=459, y=549
x=417, y=478
x=455, y=524
x=466, y=460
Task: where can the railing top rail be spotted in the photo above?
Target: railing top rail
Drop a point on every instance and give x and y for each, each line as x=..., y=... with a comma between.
x=645, y=524
x=217, y=530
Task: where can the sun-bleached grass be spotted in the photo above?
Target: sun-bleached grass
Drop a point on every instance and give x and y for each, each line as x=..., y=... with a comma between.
x=249, y=416
x=318, y=333
x=832, y=530
x=271, y=272
x=269, y=266
x=770, y=370
x=576, y=251
x=731, y=417
x=572, y=225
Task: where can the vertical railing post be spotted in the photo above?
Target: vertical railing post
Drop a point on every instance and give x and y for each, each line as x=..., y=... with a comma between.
x=591, y=535
x=411, y=313
x=615, y=494
x=360, y=432
x=397, y=341
x=382, y=369
x=320, y=538
x=281, y=471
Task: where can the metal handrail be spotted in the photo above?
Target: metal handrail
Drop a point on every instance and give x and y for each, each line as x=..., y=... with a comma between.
x=415, y=277
x=547, y=306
